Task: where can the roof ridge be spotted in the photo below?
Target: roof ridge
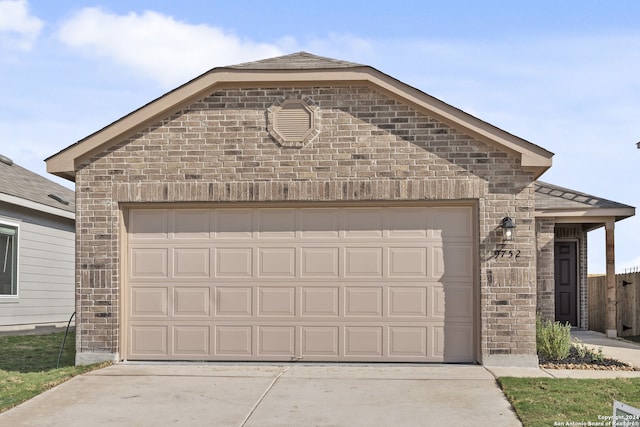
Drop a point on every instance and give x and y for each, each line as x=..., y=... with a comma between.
x=297, y=60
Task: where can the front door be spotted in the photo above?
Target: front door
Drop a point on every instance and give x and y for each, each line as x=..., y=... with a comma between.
x=566, y=283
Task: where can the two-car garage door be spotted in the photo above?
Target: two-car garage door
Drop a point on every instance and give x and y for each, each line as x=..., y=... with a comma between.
x=290, y=283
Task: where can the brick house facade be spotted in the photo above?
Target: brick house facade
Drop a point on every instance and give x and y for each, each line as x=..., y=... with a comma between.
x=372, y=142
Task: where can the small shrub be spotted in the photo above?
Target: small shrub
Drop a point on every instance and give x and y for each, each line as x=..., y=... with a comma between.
x=585, y=352
x=553, y=339
x=581, y=349
x=597, y=357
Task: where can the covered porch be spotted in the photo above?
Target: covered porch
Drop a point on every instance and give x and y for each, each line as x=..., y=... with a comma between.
x=563, y=219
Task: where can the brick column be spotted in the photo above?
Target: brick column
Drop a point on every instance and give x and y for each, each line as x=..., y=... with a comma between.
x=545, y=238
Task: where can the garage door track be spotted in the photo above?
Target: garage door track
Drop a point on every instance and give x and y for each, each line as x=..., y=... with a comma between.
x=271, y=395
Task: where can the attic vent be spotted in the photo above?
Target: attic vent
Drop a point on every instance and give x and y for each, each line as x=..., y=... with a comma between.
x=59, y=199
x=293, y=123
x=6, y=160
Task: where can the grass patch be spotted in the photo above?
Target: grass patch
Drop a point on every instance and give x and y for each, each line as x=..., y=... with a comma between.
x=28, y=366
x=545, y=401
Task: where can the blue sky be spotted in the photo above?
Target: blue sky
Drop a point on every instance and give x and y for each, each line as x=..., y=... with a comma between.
x=561, y=74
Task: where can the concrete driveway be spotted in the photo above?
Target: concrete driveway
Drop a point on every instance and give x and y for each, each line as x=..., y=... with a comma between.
x=271, y=395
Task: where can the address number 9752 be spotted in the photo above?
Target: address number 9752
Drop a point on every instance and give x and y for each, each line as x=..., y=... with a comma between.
x=504, y=253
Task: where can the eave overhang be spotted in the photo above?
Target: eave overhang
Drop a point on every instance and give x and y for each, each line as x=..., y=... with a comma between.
x=29, y=204
x=533, y=158
x=591, y=219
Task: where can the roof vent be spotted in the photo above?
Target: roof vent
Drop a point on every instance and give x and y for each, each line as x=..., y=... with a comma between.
x=293, y=122
x=59, y=199
x=6, y=160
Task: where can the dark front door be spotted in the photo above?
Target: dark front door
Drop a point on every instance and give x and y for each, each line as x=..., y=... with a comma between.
x=566, y=283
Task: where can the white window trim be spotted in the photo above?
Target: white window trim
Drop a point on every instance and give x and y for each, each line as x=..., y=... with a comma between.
x=13, y=298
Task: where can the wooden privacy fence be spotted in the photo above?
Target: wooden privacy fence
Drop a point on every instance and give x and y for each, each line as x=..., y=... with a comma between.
x=628, y=299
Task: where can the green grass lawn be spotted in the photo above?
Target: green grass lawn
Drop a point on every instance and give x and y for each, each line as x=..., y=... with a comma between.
x=545, y=401
x=28, y=366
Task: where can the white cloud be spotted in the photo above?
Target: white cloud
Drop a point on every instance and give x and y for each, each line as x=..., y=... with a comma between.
x=18, y=29
x=157, y=45
x=170, y=52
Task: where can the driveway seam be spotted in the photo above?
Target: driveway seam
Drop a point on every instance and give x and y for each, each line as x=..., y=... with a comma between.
x=259, y=401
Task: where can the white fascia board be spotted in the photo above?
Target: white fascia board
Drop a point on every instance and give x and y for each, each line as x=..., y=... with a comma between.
x=18, y=201
x=586, y=214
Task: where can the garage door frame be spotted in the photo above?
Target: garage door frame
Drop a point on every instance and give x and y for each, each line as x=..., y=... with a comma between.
x=123, y=243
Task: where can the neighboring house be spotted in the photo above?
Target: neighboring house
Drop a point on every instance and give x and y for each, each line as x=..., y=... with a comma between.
x=37, y=250
x=306, y=208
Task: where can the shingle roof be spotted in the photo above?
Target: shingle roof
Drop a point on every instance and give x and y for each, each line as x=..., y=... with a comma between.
x=295, y=61
x=22, y=183
x=549, y=196
x=292, y=70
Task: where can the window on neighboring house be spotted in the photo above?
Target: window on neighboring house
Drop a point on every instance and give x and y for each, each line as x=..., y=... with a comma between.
x=8, y=260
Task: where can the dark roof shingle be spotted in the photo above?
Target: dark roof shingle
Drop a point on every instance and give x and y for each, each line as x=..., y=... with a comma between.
x=20, y=182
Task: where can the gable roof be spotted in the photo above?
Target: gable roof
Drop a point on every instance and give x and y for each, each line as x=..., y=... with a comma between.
x=21, y=187
x=575, y=206
x=297, y=69
x=295, y=61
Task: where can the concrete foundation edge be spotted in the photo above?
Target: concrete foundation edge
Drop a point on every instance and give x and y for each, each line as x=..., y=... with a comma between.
x=36, y=329
x=510, y=361
x=87, y=358
x=495, y=360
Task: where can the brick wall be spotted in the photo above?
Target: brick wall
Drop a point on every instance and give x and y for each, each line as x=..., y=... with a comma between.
x=546, y=268
x=369, y=147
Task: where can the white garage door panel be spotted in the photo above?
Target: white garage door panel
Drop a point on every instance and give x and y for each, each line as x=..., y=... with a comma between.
x=342, y=284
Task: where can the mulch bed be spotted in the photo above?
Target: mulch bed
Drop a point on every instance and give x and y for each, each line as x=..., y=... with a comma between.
x=574, y=361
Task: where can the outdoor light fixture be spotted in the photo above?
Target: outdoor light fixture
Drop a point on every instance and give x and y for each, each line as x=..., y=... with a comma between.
x=508, y=229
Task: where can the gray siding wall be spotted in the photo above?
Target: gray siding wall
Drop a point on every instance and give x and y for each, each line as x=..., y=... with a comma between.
x=46, y=262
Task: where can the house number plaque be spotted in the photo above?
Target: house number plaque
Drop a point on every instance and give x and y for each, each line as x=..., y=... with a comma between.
x=501, y=253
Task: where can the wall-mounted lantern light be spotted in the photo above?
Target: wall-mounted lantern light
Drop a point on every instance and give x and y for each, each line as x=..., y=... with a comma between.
x=508, y=229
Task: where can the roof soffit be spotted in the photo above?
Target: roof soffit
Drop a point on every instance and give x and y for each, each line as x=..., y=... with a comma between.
x=532, y=157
